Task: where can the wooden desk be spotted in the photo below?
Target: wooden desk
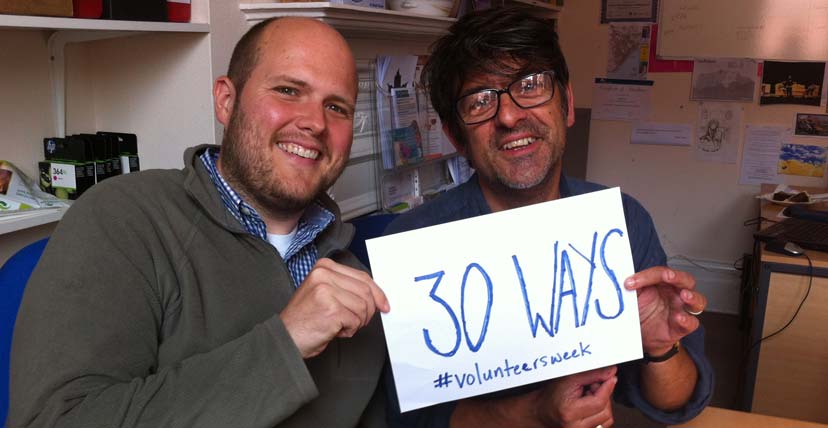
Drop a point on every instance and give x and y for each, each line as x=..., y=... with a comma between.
x=714, y=417
x=787, y=374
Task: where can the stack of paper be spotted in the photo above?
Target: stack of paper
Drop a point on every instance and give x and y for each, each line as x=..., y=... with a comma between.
x=20, y=195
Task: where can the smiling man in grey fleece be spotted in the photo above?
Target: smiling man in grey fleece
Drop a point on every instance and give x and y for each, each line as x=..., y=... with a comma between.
x=220, y=295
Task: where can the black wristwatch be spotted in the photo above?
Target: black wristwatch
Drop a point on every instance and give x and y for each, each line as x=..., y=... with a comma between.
x=663, y=357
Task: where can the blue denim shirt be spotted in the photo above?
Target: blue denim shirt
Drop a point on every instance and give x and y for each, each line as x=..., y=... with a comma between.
x=467, y=201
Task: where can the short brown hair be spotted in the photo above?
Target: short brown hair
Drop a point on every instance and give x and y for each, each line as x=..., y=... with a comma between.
x=246, y=55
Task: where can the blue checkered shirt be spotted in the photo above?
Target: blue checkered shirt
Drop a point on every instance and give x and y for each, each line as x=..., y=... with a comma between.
x=302, y=253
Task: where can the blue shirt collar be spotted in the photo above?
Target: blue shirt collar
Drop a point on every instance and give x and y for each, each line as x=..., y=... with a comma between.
x=313, y=221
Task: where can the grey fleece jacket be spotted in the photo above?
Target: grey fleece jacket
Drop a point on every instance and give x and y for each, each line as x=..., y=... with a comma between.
x=152, y=307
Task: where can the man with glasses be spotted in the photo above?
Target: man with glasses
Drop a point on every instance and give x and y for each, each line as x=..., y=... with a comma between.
x=500, y=85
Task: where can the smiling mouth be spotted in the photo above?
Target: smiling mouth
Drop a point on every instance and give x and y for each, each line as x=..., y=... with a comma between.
x=523, y=142
x=298, y=150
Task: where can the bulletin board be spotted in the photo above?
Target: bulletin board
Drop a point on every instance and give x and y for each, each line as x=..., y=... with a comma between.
x=794, y=30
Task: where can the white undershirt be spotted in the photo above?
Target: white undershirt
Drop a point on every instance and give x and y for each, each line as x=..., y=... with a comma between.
x=282, y=242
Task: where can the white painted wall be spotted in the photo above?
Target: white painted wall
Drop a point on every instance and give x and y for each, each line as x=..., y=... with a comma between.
x=25, y=114
x=25, y=107
x=155, y=85
x=698, y=207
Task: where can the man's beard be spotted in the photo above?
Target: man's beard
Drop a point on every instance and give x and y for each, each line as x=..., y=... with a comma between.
x=249, y=171
x=548, y=169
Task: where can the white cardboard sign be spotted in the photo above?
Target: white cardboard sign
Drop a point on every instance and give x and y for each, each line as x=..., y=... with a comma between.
x=507, y=299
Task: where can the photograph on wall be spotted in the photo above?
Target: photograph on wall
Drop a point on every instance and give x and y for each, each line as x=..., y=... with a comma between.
x=629, y=51
x=628, y=10
x=811, y=125
x=717, y=132
x=724, y=80
x=792, y=83
x=801, y=159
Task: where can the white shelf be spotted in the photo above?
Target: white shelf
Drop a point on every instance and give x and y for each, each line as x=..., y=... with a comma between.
x=353, y=20
x=370, y=22
x=51, y=23
x=13, y=223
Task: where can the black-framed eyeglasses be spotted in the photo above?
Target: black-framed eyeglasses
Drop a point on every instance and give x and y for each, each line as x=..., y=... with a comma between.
x=529, y=91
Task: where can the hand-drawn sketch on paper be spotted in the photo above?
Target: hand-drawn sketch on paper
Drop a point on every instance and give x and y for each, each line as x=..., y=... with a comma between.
x=717, y=131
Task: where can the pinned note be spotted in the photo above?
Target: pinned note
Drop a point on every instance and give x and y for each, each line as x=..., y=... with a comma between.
x=507, y=299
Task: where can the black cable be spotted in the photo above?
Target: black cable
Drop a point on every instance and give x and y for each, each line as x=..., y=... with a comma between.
x=739, y=263
x=807, y=292
x=757, y=221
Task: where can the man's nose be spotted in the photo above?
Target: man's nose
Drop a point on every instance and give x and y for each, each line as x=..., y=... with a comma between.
x=509, y=113
x=312, y=119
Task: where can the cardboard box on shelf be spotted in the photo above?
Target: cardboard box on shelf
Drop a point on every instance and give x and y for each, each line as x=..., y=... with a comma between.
x=36, y=7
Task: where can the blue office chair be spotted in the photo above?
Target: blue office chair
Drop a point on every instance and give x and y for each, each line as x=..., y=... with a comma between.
x=367, y=227
x=13, y=277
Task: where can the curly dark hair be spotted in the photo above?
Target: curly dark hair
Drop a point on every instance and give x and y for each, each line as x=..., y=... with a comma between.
x=510, y=42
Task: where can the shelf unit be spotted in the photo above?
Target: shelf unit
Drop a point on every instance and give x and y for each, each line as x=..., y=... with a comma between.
x=178, y=60
x=354, y=21
x=60, y=33
x=51, y=23
x=362, y=21
x=34, y=218
x=373, y=32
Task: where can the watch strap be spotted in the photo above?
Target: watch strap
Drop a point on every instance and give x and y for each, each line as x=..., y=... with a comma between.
x=663, y=357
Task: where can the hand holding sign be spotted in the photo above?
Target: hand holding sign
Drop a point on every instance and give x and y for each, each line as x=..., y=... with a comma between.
x=333, y=301
x=666, y=299
x=507, y=299
x=581, y=400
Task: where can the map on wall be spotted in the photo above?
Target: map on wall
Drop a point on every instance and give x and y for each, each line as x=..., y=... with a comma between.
x=628, y=51
x=768, y=29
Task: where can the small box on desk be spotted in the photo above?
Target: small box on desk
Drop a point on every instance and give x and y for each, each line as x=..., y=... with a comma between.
x=126, y=149
x=89, y=9
x=102, y=152
x=36, y=7
x=66, y=180
x=69, y=168
x=70, y=149
x=178, y=10
x=135, y=10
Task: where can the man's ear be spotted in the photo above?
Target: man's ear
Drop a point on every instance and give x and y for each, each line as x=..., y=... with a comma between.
x=224, y=98
x=570, y=101
x=461, y=148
